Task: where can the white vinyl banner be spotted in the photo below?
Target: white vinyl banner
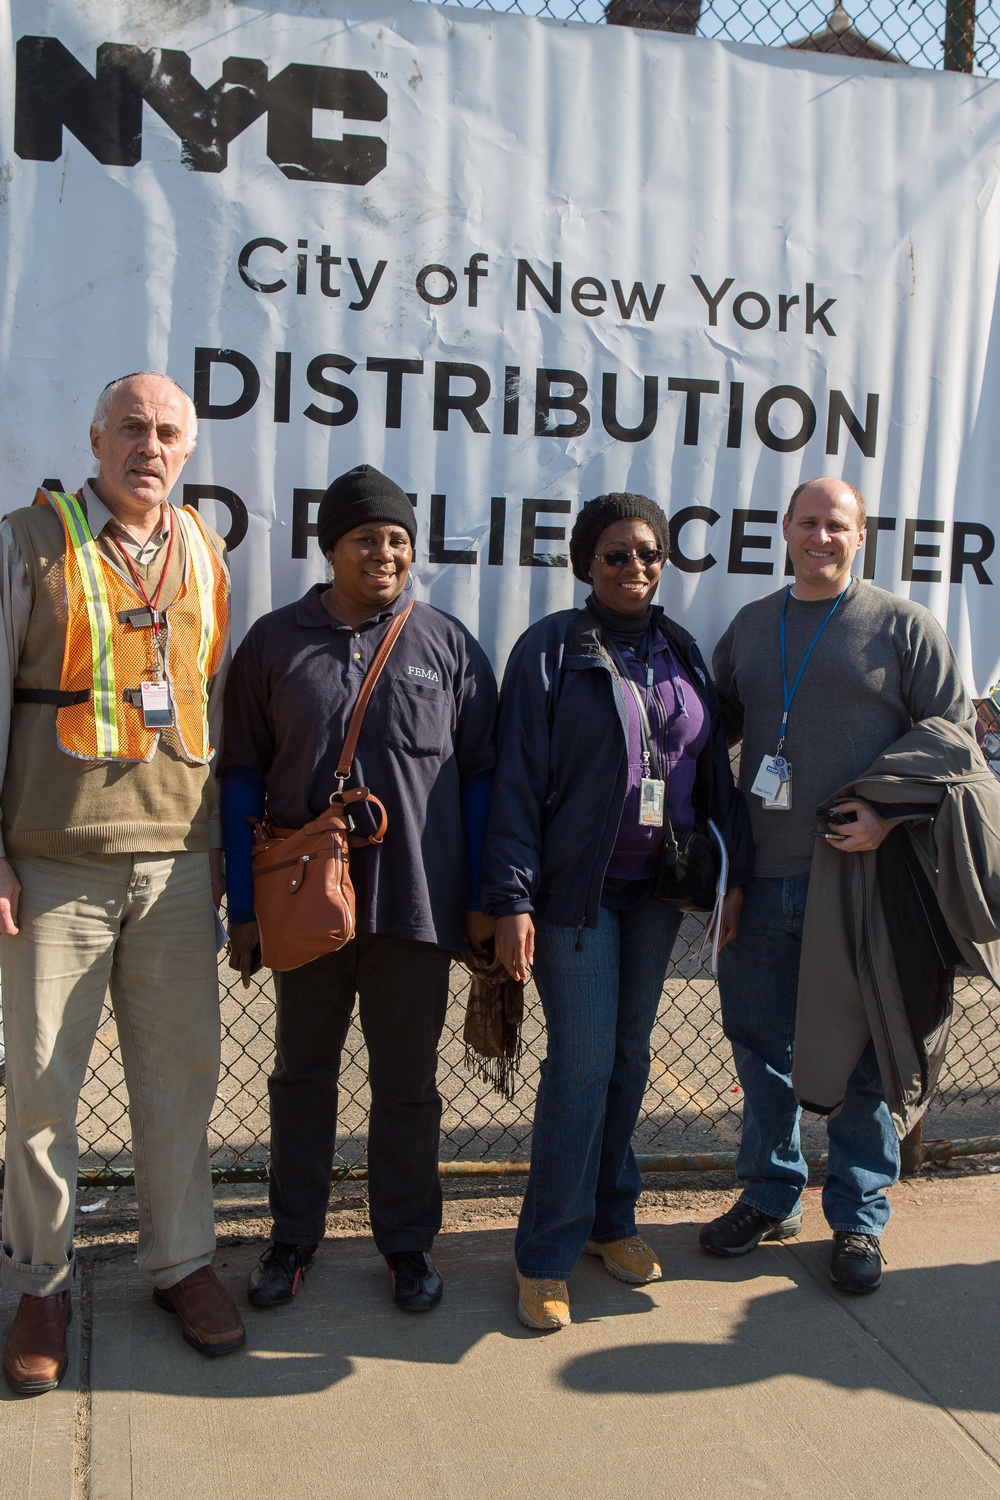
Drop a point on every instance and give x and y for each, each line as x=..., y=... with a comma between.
x=515, y=264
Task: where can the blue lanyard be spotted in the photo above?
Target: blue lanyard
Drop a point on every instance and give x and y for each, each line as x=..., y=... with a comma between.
x=650, y=759
x=789, y=693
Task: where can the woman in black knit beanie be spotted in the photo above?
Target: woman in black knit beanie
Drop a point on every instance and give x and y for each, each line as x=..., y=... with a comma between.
x=610, y=739
x=426, y=750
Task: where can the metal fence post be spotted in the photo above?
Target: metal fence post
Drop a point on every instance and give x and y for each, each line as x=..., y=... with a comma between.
x=911, y=1151
x=959, y=35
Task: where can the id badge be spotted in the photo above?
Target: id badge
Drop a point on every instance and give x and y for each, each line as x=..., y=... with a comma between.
x=157, y=712
x=768, y=780
x=651, y=802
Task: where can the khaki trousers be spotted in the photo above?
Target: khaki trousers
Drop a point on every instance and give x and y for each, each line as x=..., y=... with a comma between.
x=143, y=927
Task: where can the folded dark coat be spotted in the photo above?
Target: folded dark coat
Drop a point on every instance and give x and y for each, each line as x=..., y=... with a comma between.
x=883, y=929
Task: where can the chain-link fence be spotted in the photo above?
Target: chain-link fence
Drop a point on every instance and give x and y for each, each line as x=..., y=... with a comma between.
x=952, y=34
x=693, y=1103
x=691, y=1111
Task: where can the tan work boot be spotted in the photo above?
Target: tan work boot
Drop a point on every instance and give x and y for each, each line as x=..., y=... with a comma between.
x=35, y=1354
x=630, y=1260
x=542, y=1304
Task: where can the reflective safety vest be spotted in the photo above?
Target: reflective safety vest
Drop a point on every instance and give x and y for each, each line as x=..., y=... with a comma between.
x=106, y=657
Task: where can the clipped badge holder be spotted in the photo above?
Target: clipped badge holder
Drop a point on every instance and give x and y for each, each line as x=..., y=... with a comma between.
x=781, y=801
x=652, y=794
x=773, y=784
x=157, y=711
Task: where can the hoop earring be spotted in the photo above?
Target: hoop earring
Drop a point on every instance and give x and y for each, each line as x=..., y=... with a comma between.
x=408, y=585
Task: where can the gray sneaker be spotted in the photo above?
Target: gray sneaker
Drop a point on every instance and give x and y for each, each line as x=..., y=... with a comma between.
x=741, y=1228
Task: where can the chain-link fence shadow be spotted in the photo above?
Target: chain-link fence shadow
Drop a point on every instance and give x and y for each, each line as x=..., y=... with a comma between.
x=692, y=1105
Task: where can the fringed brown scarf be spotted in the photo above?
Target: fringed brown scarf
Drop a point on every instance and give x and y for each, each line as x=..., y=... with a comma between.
x=493, y=1019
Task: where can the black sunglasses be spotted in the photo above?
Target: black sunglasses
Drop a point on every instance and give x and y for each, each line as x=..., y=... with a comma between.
x=648, y=556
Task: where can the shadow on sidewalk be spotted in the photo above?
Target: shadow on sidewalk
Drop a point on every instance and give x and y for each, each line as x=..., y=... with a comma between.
x=939, y=1326
x=343, y=1315
x=929, y=1335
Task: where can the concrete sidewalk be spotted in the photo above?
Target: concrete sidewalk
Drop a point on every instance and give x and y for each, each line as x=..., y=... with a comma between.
x=750, y=1376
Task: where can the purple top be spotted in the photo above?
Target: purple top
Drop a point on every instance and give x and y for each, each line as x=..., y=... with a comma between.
x=680, y=728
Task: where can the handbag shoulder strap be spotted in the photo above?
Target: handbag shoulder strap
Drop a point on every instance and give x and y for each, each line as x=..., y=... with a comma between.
x=367, y=688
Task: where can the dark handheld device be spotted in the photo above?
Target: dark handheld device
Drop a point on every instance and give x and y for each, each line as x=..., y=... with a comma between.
x=832, y=816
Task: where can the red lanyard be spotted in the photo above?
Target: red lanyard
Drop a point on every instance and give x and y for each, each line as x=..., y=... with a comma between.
x=151, y=603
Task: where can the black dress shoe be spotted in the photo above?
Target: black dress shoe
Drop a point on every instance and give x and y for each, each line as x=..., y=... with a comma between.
x=279, y=1273
x=416, y=1280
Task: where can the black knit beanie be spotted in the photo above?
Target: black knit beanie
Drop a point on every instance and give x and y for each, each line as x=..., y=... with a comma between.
x=597, y=515
x=360, y=495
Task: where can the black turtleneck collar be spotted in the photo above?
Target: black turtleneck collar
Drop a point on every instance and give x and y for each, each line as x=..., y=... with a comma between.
x=630, y=628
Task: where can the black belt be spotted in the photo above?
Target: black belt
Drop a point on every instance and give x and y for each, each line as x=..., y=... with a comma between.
x=61, y=699
x=52, y=695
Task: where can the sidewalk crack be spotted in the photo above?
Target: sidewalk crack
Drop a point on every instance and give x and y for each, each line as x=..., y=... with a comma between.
x=81, y=1428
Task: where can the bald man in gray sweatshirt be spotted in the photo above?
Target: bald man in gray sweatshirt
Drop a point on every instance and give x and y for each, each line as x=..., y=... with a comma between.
x=815, y=680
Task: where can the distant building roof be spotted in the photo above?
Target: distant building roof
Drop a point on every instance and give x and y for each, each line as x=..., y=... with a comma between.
x=839, y=36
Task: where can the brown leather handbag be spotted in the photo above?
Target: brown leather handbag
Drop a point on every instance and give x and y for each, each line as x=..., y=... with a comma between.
x=302, y=892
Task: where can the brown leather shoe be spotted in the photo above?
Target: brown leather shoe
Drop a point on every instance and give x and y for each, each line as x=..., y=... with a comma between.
x=35, y=1354
x=209, y=1319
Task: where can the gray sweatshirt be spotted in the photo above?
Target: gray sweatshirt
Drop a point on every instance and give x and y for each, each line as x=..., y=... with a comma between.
x=881, y=664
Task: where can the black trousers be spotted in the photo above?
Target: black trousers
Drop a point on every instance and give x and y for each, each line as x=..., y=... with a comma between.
x=402, y=990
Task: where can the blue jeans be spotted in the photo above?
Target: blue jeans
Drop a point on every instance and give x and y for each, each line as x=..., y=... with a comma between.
x=600, y=1004
x=758, y=983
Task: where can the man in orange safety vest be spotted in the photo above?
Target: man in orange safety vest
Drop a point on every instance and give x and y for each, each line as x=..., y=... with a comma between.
x=115, y=612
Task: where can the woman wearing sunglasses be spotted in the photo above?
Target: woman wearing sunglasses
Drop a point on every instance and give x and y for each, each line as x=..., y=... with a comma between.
x=585, y=784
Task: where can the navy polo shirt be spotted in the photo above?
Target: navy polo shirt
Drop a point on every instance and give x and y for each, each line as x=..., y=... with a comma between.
x=428, y=728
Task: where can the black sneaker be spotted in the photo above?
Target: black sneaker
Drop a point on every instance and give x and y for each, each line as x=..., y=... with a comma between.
x=279, y=1273
x=741, y=1228
x=856, y=1262
x=416, y=1280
